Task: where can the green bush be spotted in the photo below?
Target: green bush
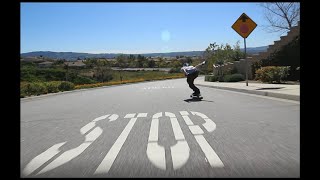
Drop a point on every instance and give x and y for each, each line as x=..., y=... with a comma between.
x=210, y=78
x=53, y=86
x=36, y=88
x=233, y=78
x=175, y=70
x=51, y=74
x=82, y=80
x=66, y=86
x=272, y=74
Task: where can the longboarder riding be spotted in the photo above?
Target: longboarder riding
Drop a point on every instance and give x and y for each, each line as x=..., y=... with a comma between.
x=192, y=72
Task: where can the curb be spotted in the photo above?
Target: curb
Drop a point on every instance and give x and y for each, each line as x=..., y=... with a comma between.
x=262, y=93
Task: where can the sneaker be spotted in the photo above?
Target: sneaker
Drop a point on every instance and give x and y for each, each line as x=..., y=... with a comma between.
x=198, y=95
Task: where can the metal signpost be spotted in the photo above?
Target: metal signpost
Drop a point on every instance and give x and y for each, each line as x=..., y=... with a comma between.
x=244, y=26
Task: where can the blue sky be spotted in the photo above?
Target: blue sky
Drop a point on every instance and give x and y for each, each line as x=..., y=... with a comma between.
x=136, y=27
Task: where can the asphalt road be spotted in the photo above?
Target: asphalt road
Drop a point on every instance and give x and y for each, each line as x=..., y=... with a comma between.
x=153, y=129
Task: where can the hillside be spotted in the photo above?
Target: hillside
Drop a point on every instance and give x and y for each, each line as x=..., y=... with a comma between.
x=75, y=55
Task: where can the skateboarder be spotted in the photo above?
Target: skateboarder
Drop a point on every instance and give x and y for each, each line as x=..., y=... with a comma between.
x=192, y=73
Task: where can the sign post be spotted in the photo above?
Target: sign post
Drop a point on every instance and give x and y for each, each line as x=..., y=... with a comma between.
x=244, y=26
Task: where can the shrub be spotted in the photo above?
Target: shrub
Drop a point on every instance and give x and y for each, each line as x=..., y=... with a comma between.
x=272, y=74
x=210, y=78
x=53, y=86
x=233, y=78
x=83, y=80
x=35, y=88
x=66, y=86
x=175, y=70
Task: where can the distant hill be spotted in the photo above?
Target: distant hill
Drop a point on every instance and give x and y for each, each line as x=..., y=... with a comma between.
x=255, y=50
x=75, y=55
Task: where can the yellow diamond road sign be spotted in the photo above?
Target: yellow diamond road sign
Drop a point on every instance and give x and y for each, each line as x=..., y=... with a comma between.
x=244, y=25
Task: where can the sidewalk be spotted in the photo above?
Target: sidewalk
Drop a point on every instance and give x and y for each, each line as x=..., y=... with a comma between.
x=284, y=91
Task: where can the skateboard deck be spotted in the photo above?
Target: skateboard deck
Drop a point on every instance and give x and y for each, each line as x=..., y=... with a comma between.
x=196, y=97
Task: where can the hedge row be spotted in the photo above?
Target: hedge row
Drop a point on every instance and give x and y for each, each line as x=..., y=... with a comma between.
x=225, y=78
x=125, y=81
x=272, y=74
x=37, y=88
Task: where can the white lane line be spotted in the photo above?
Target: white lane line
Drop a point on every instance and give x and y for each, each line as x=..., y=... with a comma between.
x=72, y=153
x=42, y=158
x=108, y=160
x=211, y=155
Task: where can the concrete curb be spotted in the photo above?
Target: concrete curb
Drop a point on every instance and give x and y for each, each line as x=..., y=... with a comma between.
x=263, y=93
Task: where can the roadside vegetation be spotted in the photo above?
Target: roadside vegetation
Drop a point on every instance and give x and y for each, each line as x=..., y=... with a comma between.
x=62, y=75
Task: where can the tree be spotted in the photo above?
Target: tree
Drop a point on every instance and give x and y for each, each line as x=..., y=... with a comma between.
x=103, y=72
x=281, y=16
x=122, y=62
x=238, y=54
x=151, y=64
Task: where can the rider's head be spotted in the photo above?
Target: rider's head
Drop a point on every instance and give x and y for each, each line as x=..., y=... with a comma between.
x=185, y=64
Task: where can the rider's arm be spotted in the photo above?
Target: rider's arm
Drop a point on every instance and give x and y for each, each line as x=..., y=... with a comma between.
x=184, y=71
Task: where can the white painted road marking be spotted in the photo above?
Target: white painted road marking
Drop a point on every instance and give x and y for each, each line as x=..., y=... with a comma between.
x=87, y=127
x=108, y=160
x=156, y=87
x=42, y=158
x=211, y=155
x=72, y=153
x=113, y=117
x=68, y=155
x=180, y=152
x=153, y=135
x=210, y=126
x=195, y=129
x=101, y=118
x=156, y=153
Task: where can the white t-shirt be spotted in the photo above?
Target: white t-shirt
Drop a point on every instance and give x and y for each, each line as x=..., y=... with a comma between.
x=189, y=69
